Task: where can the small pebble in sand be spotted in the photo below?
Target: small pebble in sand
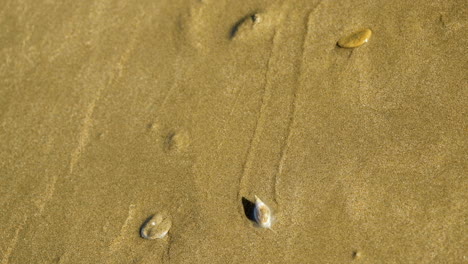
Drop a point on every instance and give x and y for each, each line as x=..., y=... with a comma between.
x=156, y=227
x=355, y=39
x=177, y=141
x=262, y=214
x=357, y=254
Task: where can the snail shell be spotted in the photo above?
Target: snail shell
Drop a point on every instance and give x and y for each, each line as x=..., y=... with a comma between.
x=262, y=214
x=355, y=39
x=156, y=227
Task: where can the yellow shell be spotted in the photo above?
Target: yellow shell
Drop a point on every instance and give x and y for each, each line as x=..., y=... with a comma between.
x=355, y=39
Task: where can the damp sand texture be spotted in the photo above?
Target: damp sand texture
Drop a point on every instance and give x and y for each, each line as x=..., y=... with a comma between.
x=113, y=111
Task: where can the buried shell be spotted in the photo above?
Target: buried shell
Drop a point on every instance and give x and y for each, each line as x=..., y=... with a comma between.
x=262, y=214
x=156, y=227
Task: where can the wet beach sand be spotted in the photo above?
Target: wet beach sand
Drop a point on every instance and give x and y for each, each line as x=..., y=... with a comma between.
x=112, y=111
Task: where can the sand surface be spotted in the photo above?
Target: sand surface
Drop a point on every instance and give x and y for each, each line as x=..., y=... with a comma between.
x=112, y=111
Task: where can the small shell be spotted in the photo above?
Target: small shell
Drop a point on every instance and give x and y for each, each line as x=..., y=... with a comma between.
x=156, y=227
x=355, y=39
x=262, y=214
x=245, y=25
